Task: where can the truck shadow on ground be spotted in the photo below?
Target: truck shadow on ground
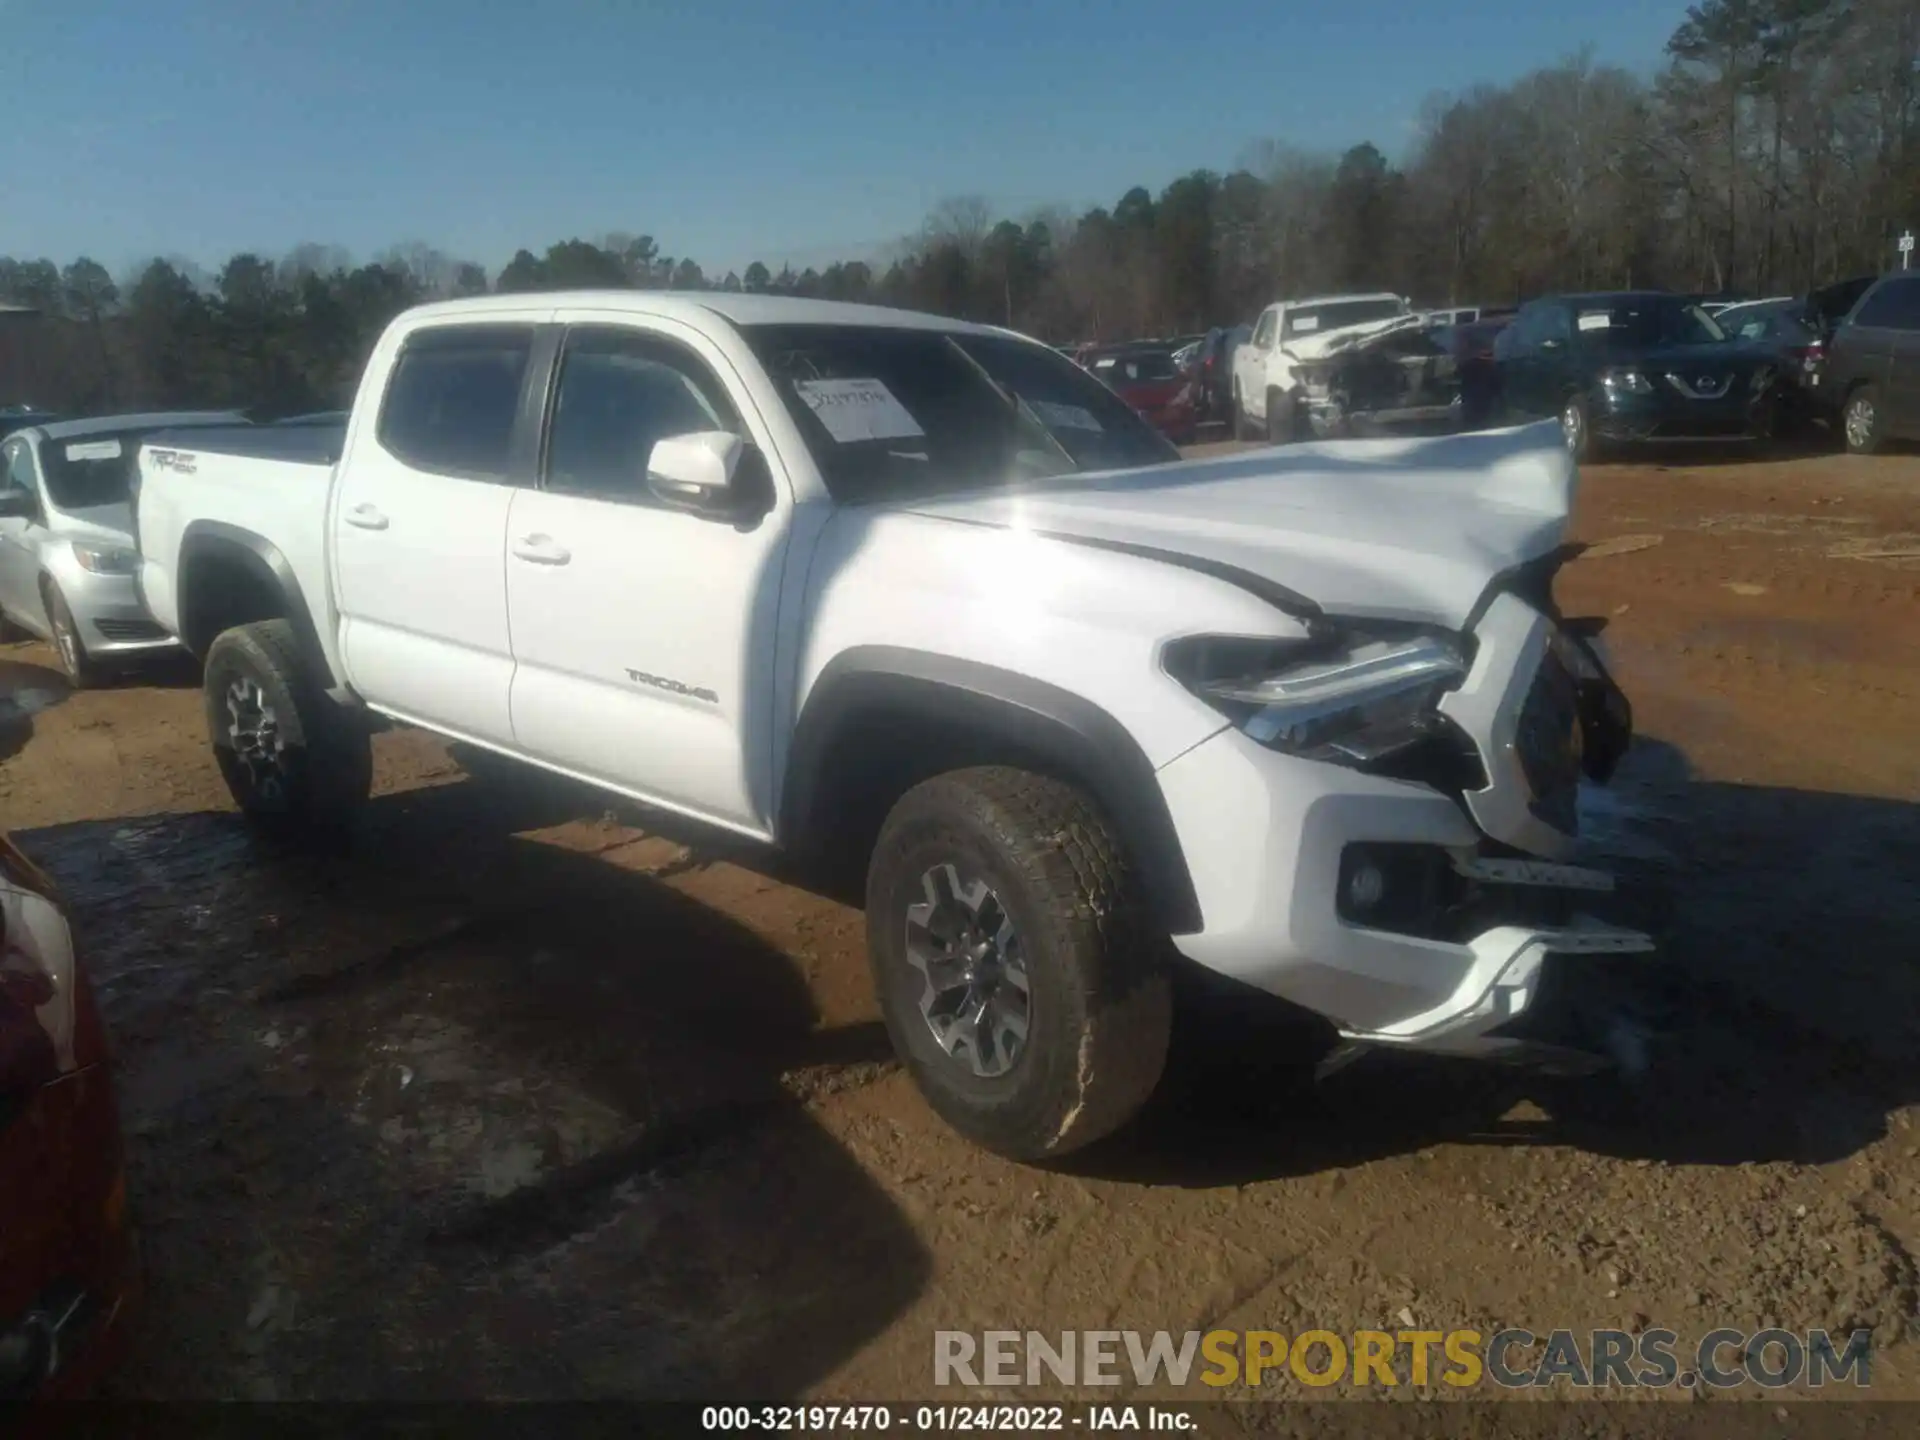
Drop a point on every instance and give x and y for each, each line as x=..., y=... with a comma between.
x=464, y=1115
x=1789, y=979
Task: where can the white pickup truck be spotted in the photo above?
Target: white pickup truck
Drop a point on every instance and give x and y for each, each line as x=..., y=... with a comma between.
x=923, y=596
x=1265, y=393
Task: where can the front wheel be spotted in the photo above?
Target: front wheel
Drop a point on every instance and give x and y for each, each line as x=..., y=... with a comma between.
x=1860, y=421
x=1576, y=429
x=83, y=672
x=294, y=762
x=1241, y=429
x=1022, y=980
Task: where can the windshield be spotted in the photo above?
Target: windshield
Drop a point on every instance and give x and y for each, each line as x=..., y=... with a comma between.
x=1639, y=322
x=1135, y=367
x=889, y=413
x=1311, y=319
x=89, y=470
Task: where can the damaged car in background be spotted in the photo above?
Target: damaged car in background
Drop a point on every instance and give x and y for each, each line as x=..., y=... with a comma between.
x=1398, y=376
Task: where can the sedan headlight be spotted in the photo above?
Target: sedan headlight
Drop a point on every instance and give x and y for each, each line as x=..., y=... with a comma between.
x=1358, y=701
x=106, y=559
x=1625, y=380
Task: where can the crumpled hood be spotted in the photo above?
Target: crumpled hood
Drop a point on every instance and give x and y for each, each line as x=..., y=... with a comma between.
x=1412, y=529
x=1322, y=343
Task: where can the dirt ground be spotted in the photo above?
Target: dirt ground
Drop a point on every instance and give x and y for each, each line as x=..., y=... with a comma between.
x=521, y=1099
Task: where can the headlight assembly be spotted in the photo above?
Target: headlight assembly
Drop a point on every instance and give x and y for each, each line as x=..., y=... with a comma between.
x=1355, y=701
x=106, y=559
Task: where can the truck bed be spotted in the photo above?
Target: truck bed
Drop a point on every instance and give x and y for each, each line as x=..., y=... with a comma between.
x=305, y=442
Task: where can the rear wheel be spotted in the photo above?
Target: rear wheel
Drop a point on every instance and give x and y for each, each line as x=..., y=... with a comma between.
x=295, y=763
x=81, y=670
x=1020, y=974
x=1860, y=421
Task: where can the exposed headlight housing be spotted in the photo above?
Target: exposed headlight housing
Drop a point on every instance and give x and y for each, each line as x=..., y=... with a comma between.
x=1355, y=700
x=106, y=559
x=1625, y=380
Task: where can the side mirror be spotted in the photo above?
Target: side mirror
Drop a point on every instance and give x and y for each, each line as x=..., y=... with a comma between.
x=16, y=504
x=695, y=472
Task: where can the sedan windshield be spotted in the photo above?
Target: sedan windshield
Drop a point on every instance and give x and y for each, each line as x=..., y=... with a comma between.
x=894, y=412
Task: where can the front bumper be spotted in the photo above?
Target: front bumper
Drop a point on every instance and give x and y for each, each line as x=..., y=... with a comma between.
x=112, y=618
x=1269, y=838
x=1666, y=418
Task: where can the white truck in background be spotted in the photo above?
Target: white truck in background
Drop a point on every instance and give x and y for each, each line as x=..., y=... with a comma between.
x=926, y=602
x=1265, y=393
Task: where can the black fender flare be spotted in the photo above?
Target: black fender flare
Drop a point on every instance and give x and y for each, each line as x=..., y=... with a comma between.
x=261, y=558
x=1081, y=740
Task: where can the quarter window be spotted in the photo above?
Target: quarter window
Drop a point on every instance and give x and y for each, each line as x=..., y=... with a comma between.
x=1893, y=305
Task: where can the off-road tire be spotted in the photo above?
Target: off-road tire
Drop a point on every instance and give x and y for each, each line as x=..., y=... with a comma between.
x=326, y=767
x=83, y=672
x=1281, y=429
x=1860, y=424
x=1099, y=982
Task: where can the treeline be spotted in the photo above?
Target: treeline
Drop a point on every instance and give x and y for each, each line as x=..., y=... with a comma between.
x=1778, y=148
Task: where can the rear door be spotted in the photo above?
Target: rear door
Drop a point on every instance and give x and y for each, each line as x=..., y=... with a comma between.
x=644, y=635
x=419, y=525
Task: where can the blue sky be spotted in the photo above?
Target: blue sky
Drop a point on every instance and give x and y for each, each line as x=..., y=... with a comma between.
x=793, y=131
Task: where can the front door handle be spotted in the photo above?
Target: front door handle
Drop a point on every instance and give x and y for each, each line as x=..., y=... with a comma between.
x=540, y=550
x=365, y=517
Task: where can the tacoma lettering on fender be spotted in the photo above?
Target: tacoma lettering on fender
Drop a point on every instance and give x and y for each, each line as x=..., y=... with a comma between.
x=924, y=600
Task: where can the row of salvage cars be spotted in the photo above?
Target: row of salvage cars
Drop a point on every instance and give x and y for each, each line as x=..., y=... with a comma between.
x=1615, y=368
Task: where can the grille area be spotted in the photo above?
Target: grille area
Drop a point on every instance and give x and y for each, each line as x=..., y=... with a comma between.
x=129, y=630
x=1548, y=740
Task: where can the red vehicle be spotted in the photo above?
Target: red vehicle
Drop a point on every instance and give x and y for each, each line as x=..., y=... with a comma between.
x=68, y=1269
x=1145, y=376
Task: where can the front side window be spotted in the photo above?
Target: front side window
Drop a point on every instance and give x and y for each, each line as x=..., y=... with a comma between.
x=893, y=412
x=1263, y=332
x=453, y=397
x=20, y=474
x=621, y=391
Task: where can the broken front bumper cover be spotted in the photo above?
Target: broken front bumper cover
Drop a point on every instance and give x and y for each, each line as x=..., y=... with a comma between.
x=1477, y=1020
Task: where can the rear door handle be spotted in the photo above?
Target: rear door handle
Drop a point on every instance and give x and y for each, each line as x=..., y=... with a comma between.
x=365, y=517
x=540, y=550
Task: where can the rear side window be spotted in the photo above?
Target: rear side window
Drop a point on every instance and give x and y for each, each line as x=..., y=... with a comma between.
x=1893, y=305
x=453, y=397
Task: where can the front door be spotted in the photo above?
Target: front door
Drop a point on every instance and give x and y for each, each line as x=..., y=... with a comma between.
x=419, y=529
x=643, y=636
x=19, y=548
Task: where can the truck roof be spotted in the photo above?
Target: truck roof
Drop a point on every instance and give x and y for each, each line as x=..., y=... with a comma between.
x=1333, y=299
x=740, y=308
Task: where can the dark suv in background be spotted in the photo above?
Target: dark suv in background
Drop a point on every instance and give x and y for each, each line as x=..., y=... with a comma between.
x=1872, y=370
x=1634, y=366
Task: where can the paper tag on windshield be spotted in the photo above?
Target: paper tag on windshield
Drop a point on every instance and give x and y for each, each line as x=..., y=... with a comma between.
x=1065, y=417
x=1303, y=323
x=854, y=410
x=1600, y=320
x=94, y=450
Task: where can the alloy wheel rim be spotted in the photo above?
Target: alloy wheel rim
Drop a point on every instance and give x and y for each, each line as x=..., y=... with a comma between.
x=1570, y=426
x=975, y=997
x=69, y=648
x=253, y=727
x=1859, y=423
